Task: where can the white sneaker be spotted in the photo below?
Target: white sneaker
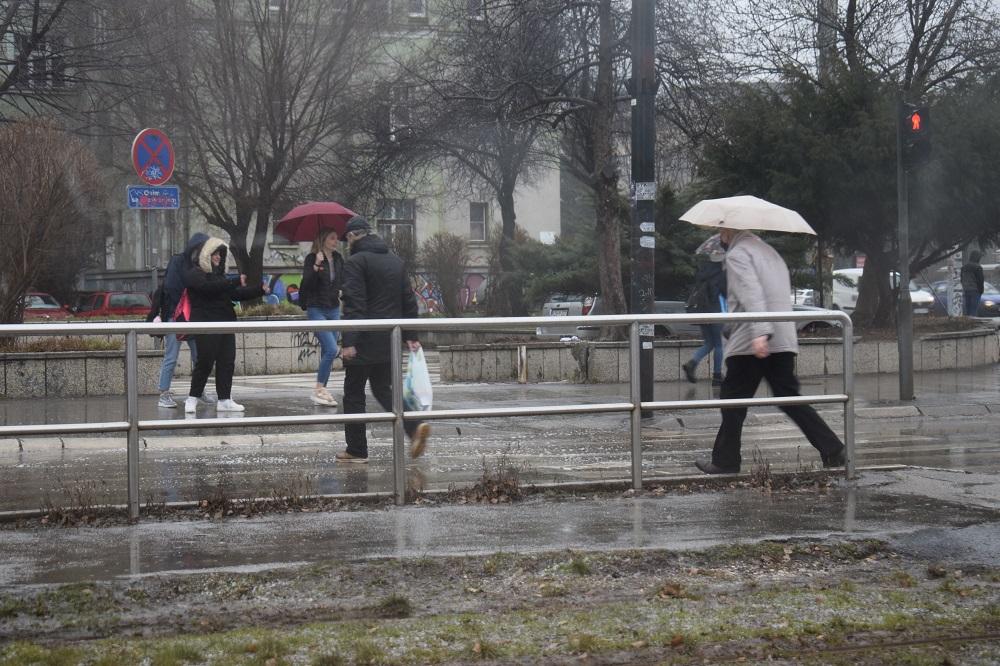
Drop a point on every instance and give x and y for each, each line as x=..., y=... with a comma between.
x=167, y=400
x=321, y=396
x=229, y=405
x=190, y=405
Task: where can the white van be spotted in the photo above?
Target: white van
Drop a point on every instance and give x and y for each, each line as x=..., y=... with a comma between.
x=845, y=291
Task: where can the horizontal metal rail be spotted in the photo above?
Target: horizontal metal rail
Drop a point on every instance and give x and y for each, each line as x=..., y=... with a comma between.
x=635, y=406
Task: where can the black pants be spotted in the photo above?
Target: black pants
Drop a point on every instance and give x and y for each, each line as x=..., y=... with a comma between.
x=379, y=376
x=218, y=351
x=743, y=375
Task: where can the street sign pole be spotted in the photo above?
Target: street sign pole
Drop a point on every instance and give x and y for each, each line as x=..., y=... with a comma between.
x=643, y=88
x=904, y=306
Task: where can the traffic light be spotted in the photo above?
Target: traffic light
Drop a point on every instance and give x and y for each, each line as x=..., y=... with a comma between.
x=915, y=126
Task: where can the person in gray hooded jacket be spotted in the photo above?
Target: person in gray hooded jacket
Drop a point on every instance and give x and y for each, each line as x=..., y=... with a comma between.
x=757, y=281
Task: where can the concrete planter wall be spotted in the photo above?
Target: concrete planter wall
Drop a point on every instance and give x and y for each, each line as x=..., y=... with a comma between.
x=74, y=374
x=608, y=362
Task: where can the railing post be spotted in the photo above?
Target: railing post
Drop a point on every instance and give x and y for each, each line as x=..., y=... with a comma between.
x=848, y=328
x=132, y=401
x=398, y=443
x=635, y=393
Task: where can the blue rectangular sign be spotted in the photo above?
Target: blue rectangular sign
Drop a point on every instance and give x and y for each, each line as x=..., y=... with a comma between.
x=147, y=197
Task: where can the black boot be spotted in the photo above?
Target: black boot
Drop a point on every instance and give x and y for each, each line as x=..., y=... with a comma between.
x=689, y=369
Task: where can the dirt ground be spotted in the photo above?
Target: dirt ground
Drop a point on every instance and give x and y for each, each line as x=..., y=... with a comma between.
x=809, y=602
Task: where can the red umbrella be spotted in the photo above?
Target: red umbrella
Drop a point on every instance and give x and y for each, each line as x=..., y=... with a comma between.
x=303, y=223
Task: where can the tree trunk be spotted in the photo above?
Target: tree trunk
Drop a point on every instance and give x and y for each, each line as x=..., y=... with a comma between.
x=507, y=292
x=606, y=177
x=876, y=303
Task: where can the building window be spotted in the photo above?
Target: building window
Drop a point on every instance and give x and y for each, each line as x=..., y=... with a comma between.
x=44, y=66
x=416, y=8
x=396, y=222
x=399, y=113
x=477, y=221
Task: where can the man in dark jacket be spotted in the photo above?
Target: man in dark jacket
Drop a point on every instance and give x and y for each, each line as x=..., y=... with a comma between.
x=169, y=295
x=375, y=287
x=972, y=283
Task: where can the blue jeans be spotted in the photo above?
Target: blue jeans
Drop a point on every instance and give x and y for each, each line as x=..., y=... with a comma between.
x=327, y=341
x=711, y=334
x=171, y=348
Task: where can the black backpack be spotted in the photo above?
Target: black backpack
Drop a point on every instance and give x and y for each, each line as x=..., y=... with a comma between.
x=700, y=299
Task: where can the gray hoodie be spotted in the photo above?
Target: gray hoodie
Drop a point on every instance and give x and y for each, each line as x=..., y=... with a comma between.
x=757, y=281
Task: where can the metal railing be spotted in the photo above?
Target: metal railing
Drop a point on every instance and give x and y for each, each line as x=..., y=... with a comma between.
x=132, y=426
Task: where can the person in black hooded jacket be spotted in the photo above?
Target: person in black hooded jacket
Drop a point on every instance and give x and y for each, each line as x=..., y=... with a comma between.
x=375, y=287
x=211, y=295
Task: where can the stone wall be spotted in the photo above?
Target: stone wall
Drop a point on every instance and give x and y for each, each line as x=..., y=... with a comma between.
x=608, y=362
x=74, y=374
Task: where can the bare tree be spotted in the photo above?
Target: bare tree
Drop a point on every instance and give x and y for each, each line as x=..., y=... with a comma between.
x=50, y=190
x=268, y=97
x=444, y=257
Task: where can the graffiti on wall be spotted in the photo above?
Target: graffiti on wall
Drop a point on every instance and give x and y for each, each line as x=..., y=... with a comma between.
x=429, y=294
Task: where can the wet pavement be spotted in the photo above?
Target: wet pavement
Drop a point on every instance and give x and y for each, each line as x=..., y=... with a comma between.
x=949, y=513
x=953, y=424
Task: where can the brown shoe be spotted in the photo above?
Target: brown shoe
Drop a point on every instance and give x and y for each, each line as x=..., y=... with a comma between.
x=346, y=457
x=419, y=442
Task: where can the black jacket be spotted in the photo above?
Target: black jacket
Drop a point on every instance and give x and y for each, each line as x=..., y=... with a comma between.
x=320, y=289
x=375, y=287
x=972, y=277
x=211, y=293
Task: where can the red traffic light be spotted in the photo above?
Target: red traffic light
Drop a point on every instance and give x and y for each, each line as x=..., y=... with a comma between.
x=916, y=121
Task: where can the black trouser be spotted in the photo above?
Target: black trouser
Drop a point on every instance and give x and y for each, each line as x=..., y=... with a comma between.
x=218, y=350
x=743, y=375
x=379, y=375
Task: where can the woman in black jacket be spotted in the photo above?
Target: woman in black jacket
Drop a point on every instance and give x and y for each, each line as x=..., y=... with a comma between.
x=211, y=295
x=319, y=295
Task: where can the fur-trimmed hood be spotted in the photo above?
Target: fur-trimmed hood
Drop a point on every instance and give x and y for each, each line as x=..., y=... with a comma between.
x=206, y=251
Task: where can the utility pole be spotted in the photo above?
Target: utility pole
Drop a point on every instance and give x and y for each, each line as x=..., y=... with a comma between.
x=904, y=306
x=643, y=90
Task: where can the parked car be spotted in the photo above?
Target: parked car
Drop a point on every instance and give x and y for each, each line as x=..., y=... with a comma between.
x=679, y=329
x=39, y=305
x=113, y=303
x=845, y=291
x=989, y=301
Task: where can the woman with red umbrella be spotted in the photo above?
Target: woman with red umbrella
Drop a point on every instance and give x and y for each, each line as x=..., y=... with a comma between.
x=319, y=294
x=321, y=222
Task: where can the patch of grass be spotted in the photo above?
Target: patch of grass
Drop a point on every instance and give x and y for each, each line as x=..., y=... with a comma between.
x=760, y=471
x=500, y=482
x=579, y=566
x=584, y=643
x=11, y=607
x=269, y=647
x=395, y=605
x=176, y=654
x=367, y=653
x=903, y=579
x=484, y=649
x=28, y=654
x=549, y=590
x=328, y=659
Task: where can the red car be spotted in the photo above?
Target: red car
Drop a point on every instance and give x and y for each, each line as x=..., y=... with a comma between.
x=39, y=305
x=113, y=303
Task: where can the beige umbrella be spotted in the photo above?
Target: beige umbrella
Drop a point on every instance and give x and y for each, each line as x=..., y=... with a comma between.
x=745, y=212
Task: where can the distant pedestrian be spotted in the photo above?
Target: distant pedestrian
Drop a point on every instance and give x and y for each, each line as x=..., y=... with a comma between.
x=758, y=281
x=708, y=297
x=212, y=294
x=375, y=287
x=169, y=296
x=319, y=296
x=972, y=283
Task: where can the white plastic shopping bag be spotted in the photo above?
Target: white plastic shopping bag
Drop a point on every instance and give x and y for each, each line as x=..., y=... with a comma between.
x=417, y=392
